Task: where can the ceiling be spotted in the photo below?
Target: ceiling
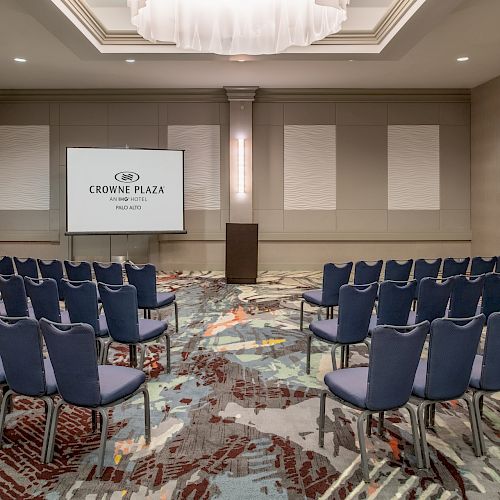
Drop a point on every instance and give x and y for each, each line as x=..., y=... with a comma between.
x=421, y=54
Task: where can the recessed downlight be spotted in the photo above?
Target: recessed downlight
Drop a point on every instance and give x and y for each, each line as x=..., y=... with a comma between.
x=463, y=59
x=130, y=61
x=20, y=59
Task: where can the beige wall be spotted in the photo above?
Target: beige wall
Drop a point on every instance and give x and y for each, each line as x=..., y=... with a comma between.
x=485, y=185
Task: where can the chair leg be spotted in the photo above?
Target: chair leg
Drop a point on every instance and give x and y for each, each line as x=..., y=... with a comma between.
x=369, y=420
x=421, y=413
x=308, y=354
x=94, y=421
x=104, y=437
x=133, y=356
x=342, y=356
x=380, y=423
x=143, y=356
x=176, y=313
x=3, y=412
x=362, y=446
x=167, y=345
x=49, y=405
x=319, y=313
x=416, y=437
x=334, y=357
x=477, y=398
x=147, y=416
x=52, y=435
x=302, y=316
x=481, y=405
x=105, y=351
x=346, y=356
x=476, y=443
x=144, y=311
x=322, y=409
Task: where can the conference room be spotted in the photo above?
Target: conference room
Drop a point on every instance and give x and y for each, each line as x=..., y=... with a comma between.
x=249, y=249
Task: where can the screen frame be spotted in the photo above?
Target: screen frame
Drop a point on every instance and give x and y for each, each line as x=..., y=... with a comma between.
x=89, y=233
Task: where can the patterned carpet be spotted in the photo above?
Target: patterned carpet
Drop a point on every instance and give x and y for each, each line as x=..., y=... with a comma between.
x=237, y=419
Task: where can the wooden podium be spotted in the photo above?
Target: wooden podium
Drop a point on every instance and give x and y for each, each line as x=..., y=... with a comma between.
x=241, y=253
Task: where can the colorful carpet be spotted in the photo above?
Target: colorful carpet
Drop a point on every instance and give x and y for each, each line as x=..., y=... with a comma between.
x=237, y=418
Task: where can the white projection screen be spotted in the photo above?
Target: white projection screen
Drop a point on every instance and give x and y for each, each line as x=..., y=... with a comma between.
x=127, y=191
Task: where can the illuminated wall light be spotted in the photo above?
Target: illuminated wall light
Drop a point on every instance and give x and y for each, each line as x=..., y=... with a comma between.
x=241, y=166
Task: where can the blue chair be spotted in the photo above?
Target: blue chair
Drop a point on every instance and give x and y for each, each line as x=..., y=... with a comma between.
x=425, y=268
x=485, y=377
x=52, y=269
x=465, y=296
x=433, y=298
x=394, y=303
x=366, y=272
x=455, y=267
x=14, y=297
x=6, y=266
x=78, y=271
x=82, y=305
x=398, y=270
x=26, y=267
x=44, y=298
x=109, y=274
x=482, y=265
x=445, y=374
x=334, y=276
x=87, y=385
x=144, y=280
x=491, y=294
x=27, y=373
x=385, y=385
x=124, y=326
x=356, y=304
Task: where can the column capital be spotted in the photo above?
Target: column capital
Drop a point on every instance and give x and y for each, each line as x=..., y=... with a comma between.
x=240, y=93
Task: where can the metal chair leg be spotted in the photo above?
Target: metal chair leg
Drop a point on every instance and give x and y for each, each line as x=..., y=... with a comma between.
x=104, y=359
x=380, y=423
x=104, y=437
x=362, y=445
x=477, y=398
x=3, y=412
x=53, y=428
x=476, y=443
x=308, y=354
x=167, y=343
x=416, y=437
x=346, y=356
x=342, y=356
x=176, y=313
x=144, y=311
x=421, y=411
x=322, y=409
x=94, y=421
x=334, y=356
x=49, y=405
x=143, y=355
x=302, y=316
x=147, y=416
x=369, y=420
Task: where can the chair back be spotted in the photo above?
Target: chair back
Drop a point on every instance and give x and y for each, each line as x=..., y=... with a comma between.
x=22, y=357
x=455, y=267
x=394, y=302
x=491, y=294
x=77, y=383
x=78, y=271
x=398, y=270
x=355, y=310
x=334, y=276
x=52, y=269
x=433, y=297
x=6, y=265
x=144, y=280
x=490, y=373
x=425, y=268
x=80, y=298
x=394, y=356
x=465, y=296
x=44, y=298
x=110, y=274
x=14, y=296
x=452, y=348
x=26, y=267
x=120, y=308
x=482, y=265
x=366, y=272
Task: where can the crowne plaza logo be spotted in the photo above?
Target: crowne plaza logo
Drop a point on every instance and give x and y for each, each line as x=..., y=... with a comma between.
x=127, y=177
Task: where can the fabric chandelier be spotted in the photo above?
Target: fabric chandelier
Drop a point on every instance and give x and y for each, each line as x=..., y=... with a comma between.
x=230, y=27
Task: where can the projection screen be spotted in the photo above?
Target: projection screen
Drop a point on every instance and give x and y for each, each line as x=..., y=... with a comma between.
x=113, y=191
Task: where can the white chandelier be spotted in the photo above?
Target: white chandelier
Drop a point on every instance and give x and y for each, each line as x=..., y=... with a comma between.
x=230, y=27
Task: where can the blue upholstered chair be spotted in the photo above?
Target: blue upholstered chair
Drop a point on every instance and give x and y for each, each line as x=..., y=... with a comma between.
x=425, y=268
x=52, y=269
x=433, y=298
x=482, y=265
x=351, y=327
x=108, y=273
x=485, y=378
x=334, y=276
x=384, y=385
x=465, y=296
x=491, y=294
x=44, y=298
x=455, y=267
x=124, y=326
x=148, y=299
x=394, y=303
x=398, y=270
x=14, y=297
x=446, y=372
x=366, y=272
x=26, y=267
x=82, y=305
x=6, y=265
x=87, y=385
x=78, y=271
x=27, y=373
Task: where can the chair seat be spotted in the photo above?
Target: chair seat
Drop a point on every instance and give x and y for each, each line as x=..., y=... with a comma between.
x=2, y=373
x=117, y=382
x=50, y=378
x=313, y=297
x=103, y=326
x=164, y=299
x=151, y=328
x=349, y=384
x=475, y=377
x=420, y=379
x=325, y=329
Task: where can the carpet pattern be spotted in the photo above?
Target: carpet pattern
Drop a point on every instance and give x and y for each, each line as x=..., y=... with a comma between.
x=237, y=418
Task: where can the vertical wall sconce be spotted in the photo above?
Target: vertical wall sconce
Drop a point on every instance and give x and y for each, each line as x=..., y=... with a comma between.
x=241, y=166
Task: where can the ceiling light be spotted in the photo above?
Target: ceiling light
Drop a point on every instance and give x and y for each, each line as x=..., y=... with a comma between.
x=462, y=59
x=130, y=60
x=20, y=59
x=232, y=27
